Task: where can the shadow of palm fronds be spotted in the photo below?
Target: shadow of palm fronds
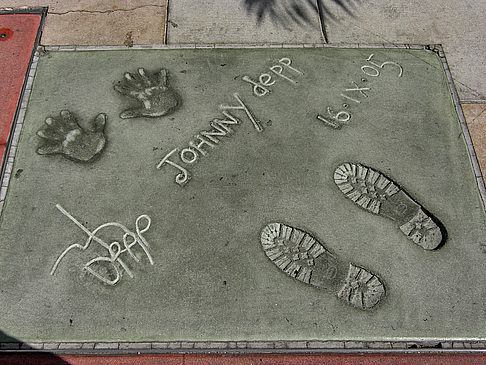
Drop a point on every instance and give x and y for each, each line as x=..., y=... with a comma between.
x=299, y=12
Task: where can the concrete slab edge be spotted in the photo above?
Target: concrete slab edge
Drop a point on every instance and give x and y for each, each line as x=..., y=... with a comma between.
x=25, y=10
x=465, y=131
x=238, y=45
x=297, y=346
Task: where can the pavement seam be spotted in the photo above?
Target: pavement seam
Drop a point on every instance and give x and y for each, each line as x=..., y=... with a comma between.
x=477, y=116
x=166, y=23
x=322, y=24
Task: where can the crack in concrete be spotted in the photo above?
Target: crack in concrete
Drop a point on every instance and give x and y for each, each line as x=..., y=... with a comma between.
x=477, y=116
x=105, y=11
x=471, y=90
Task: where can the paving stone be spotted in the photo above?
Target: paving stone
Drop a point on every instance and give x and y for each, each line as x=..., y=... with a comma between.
x=32, y=345
x=429, y=344
x=101, y=22
x=399, y=345
x=135, y=345
x=326, y=344
x=228, y=21
x=106, y=345
x=446, y=345
x=88, y=345
x=478, y=345
x=260, y=345
x=458, y=345
x=51, y=345
x=70, y=345
x=478, y=136
x=174, y=345
x=160, y=345
x=297, y=344
x=217, y=345
x=201, y=345
x=9, y=345
x=140, y=26
x=474, y=113
x=379, y=345
x=355, y=345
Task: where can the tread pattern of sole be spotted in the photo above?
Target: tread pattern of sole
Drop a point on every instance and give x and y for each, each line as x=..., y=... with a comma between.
x=292, y=250
x=361, y=289
x=366, y=187
x=371, y=189
x=422, y=230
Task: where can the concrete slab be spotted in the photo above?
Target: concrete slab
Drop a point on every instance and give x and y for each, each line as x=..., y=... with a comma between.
x=18, y=33
x=199, y=271
x=457, y=25
x=94, y=22
x=230, y=21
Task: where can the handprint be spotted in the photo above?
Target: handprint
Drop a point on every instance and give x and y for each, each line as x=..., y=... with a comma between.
x=66, y=137
x=152, y=91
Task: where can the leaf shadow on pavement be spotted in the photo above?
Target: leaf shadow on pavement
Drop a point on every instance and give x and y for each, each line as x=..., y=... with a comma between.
x=285, y=12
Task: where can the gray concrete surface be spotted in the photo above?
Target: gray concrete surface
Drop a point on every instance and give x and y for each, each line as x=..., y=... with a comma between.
x=96, y=22
x=228, y=21
x=210, y=279
x=459, y=25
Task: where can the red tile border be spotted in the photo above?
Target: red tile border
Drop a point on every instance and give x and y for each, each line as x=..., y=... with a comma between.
x=267, y=359
x=374, y=359
x=18, y=33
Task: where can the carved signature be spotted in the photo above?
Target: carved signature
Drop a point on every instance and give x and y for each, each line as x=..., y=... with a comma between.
x=116, y=252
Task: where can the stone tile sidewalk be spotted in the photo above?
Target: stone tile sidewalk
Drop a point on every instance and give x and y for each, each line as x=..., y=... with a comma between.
x=95, y=22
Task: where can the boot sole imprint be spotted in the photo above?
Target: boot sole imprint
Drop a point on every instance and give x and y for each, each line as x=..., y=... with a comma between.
x=374, y=192
x=302, y=257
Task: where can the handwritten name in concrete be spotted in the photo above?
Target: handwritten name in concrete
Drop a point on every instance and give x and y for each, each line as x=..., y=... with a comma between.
x=206, y=140
x=262, y=87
